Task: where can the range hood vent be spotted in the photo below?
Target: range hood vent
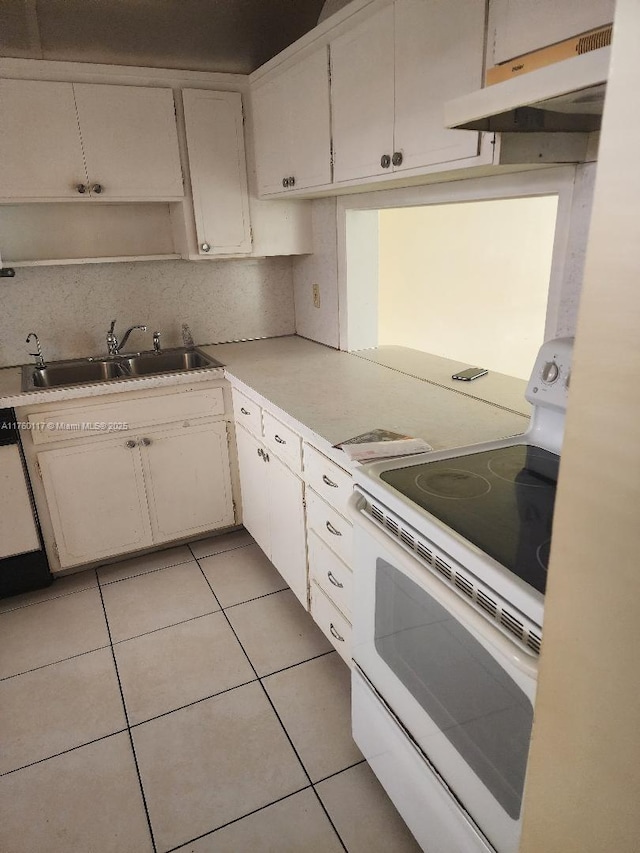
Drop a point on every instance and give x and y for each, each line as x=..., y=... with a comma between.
x=567, y=96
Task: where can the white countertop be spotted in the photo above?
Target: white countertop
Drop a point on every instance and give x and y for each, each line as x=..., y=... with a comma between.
x=339, y=395
x=335, y=395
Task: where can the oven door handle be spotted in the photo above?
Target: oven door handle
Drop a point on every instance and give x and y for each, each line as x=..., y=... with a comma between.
x=450, y=600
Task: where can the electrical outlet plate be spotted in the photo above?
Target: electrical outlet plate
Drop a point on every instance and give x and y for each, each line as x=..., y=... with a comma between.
x=316, y=295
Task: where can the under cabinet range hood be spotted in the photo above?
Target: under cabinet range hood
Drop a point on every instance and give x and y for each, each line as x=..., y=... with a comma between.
x=567, y=96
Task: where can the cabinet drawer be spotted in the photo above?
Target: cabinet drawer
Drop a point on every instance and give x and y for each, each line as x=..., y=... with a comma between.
x=327, y=479
x=334, y=530
x=331, y=622
x=330, y=573
x=282, y=441
x=247, y=413
x=121, y=415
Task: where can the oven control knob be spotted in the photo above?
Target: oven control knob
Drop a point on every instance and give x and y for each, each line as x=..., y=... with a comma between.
x=550, y=372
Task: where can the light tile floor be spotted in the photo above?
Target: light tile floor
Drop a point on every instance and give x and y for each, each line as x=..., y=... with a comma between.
x=180, y=701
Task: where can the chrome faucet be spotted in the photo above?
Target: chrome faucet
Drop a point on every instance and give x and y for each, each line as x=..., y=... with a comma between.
x=156, y=342
x=37, y=355
x=113, y=346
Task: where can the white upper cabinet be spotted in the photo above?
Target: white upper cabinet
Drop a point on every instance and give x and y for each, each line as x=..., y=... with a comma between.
x=215, y=141
x=72, y=140
x=291, y=116
x=390, y=76
x=40, y=150
x=520, y=26
x=130, y=141
x=439, y=55
x=362, y=98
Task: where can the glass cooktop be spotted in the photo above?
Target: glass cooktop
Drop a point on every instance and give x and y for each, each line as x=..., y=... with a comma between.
x=500, y=500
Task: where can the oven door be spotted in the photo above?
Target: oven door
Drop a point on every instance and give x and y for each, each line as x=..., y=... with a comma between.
x=458, y=686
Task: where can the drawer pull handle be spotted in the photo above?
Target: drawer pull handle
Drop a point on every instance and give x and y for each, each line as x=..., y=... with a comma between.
x=334, y=581
x=260, y=452
x=332, y=529
x=280, y=440
x=329, y=482
x=334, y=633
x=244, y=411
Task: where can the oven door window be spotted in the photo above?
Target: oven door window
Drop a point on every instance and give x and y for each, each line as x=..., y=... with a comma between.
x=472, y=700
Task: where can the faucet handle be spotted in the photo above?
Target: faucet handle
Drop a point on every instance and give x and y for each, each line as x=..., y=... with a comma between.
x=156, y=341
x=112, y=327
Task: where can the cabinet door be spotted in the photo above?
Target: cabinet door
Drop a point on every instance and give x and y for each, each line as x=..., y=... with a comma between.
x=215, y=140
x=439, y=55
x=253, y=485
x=188, y=481
x=130, y=141
x=40, y=150
x=96, y=498
x=271, y=133
x=309, y=121
x=362, y=97
x=286, y=517
x=520, y=26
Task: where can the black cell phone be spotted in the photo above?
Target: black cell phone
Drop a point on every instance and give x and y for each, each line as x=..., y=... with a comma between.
x=470, y=373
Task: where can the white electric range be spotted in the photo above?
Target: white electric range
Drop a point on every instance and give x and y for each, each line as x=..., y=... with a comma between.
x=451, y=561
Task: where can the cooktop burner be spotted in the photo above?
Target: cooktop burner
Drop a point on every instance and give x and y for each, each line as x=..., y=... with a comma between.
x=501, y=500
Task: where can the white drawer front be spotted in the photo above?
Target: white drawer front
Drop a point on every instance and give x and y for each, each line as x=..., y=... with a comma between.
x=119, y=416
x=282, y=441
x=334, y=530
x=247, y=413
x=332, y=623
x=327, y=479
x=330, y=573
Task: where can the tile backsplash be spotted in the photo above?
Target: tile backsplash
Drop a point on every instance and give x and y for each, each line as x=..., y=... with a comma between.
x=70, y=307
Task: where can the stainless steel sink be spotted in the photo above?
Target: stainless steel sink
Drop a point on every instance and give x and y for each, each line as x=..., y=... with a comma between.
x=167, y=361
x=69, y=373
x=86, y=371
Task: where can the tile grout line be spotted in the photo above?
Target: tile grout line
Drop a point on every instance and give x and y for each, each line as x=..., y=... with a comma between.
x=126, y=716
x=52, y=663
x=63, y=752
x=53, y=597
x=237, y=819
x=268, y=698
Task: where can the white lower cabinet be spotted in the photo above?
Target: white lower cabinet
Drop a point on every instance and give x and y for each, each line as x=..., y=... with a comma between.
x=108, y=497
x=330, y=538
x=273, y=510
x=331, y=621
x=96, y=498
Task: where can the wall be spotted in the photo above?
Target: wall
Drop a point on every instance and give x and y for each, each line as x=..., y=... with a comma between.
x=583, y=783
x=321, y=268
x=483, y=267
x=70, y=307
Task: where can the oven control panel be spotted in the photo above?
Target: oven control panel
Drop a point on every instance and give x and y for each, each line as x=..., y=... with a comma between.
x=549, y=383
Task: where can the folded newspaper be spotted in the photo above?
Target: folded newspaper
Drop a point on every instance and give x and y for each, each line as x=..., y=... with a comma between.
x=381, y=444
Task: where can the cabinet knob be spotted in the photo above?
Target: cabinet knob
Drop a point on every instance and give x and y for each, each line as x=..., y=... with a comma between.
x=97, y=189
x=332, y=529
x=335, y=634
x=285, y=182
x=397, y=158
x=205, y=247
x=81, y=188
x=145, y=441
x=292, y=181
x=130, y=444
x=385, y=161
x=334, y=580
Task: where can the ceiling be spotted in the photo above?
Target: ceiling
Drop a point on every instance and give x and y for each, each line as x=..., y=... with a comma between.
x=234, y=36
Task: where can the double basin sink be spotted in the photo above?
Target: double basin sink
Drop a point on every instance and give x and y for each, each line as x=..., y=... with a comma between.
x=90, y=370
